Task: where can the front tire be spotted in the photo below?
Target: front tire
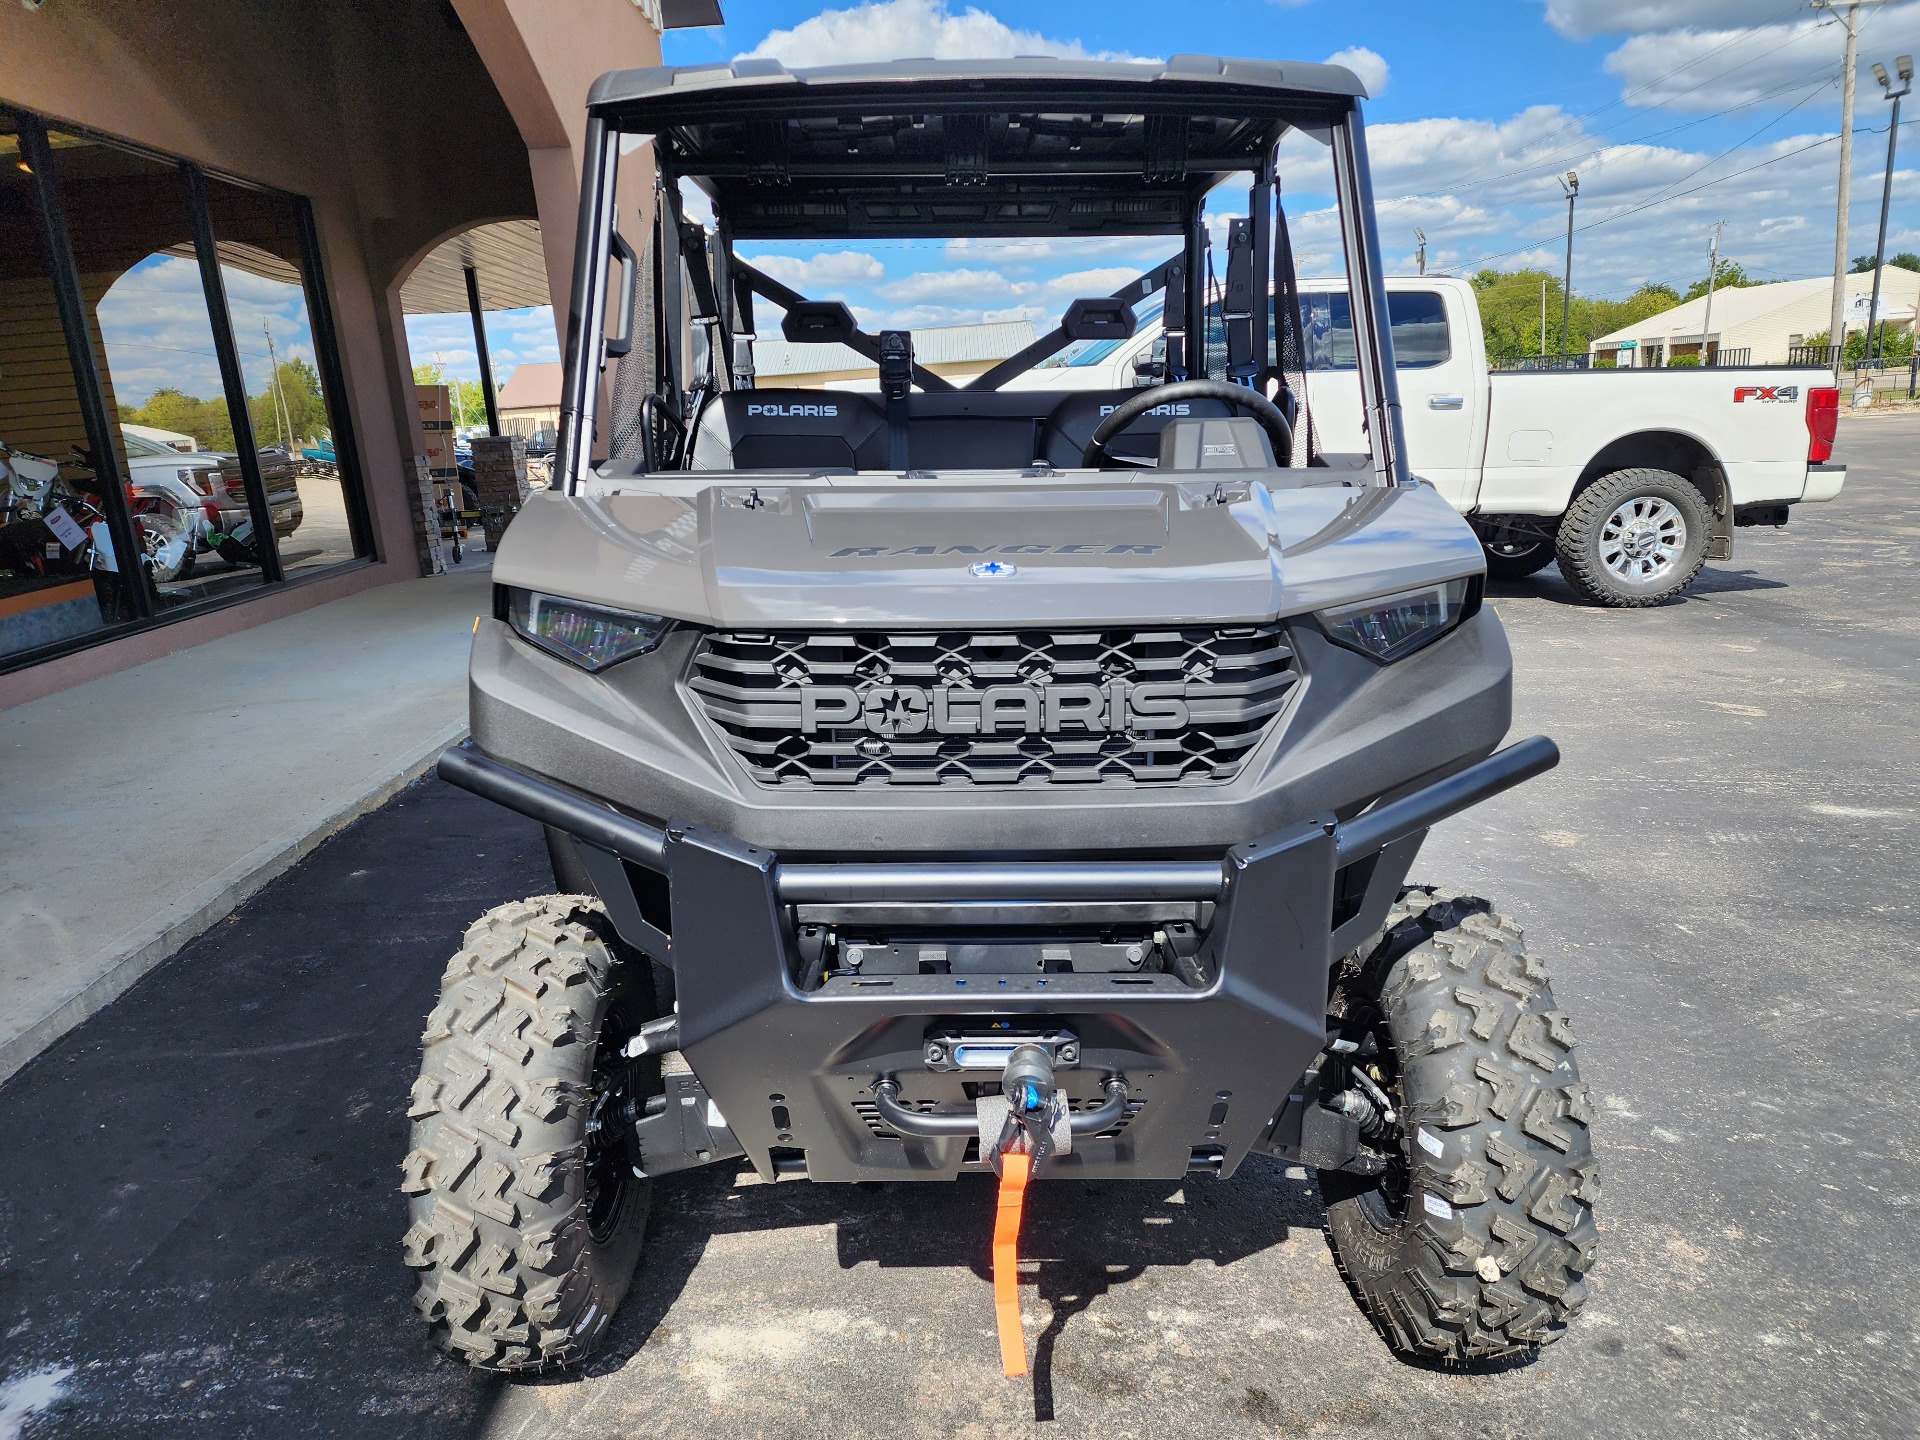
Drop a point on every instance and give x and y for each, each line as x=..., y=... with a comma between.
x=1474, y=1243
x=1634, y=538
x=527, y=1219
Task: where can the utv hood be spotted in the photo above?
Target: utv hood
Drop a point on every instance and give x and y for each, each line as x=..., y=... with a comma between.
x=776, y=555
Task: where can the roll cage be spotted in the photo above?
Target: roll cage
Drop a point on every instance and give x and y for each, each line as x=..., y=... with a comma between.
x=941, y=150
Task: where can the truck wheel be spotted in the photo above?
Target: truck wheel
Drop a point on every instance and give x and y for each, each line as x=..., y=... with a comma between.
x=527, y=1218
x=1474, y=1243
x=1517, y=559
x=1634, y=538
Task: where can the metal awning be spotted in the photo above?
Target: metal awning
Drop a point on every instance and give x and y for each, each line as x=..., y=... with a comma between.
x=506, y=258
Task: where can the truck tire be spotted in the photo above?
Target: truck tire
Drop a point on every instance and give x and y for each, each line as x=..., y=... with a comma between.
x=527, y=1219
x=1634, y=538
x=1474, y=1244
x=1517, y=559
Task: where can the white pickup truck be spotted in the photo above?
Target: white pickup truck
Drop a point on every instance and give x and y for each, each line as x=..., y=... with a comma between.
x=1631, y=479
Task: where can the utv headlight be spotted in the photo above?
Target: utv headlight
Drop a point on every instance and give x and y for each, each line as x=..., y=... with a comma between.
x=590, y=636
x=1394, y=626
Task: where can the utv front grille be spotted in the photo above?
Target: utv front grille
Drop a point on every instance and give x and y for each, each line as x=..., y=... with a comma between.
x=1023, y=708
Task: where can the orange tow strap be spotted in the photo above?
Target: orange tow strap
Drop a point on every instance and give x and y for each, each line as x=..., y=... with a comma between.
x=1015, y=1167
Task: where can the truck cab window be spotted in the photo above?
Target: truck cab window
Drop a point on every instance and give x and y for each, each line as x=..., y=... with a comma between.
x=1418, y=317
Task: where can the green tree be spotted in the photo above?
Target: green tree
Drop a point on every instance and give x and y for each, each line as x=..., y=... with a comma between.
x=207, y=421
x=297, y=414
x=1603, y=317
x=1895, y=345
x=1727, y=275
x=1905, y=260
x=1510, y=313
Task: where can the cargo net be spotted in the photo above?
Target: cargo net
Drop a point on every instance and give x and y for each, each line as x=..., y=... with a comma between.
x=1026, y=708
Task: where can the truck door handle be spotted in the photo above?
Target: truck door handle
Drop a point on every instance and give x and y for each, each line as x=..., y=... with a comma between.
x=1446, y=402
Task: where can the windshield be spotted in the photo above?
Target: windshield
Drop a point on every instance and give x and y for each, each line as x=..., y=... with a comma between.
x=946, y=262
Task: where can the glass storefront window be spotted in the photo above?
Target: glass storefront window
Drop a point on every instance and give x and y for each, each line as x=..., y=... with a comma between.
x=166, y=365
x=263, y=268
x=131, y=232
x=62, y=577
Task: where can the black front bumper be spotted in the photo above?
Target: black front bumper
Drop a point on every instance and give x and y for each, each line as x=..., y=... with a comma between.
x=789, y=1061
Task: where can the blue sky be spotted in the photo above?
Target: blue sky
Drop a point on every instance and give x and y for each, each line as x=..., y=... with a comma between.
x=154, y=323
x=1676, y=113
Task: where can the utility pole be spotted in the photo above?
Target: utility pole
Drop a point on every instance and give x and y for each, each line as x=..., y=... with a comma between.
x=281, y=416
x=1420, y=257
x=1572, y=186
x=1848, y=13
x=1713, y=271
x=1904, y=68
x=1543, y=319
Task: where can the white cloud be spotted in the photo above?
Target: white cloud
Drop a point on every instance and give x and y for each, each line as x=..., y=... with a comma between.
x=1584, y=19
x=928, y=317
x=514, y=338
x=1365, y=63
x=1080, y=283
x=937, y=284
x=830, y=267
x=907, y=29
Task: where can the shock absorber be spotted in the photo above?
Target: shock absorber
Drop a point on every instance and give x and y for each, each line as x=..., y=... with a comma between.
x=1375, y=1119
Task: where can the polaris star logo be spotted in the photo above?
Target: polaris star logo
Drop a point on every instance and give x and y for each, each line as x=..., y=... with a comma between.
x=1080, y=547
x=992, y=569
x=1019, y=709
x=795, y=412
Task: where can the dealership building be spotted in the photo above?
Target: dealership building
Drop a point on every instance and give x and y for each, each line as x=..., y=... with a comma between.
x=214, y=220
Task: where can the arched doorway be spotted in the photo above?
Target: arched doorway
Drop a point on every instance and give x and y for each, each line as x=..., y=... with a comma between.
x=477, y=377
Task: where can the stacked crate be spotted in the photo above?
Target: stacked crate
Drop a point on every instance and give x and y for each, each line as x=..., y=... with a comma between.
x=435, y=470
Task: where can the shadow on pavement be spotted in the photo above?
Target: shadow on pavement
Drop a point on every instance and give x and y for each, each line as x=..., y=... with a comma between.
x=199, y=1208
x=200, y=1211
x=1087, y=1238
x=1712, y=580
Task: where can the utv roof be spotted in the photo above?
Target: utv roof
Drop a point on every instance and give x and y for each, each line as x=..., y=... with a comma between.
x=1279, y=77
x=1028, y=146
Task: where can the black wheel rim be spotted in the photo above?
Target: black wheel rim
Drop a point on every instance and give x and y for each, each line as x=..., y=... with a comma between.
x=619, y=1088
x=1386, y=1204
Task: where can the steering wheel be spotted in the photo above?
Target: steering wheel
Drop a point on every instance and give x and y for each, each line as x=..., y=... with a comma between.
x=1269, y=415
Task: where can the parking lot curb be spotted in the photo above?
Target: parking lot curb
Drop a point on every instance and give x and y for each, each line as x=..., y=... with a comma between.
x=122, y=964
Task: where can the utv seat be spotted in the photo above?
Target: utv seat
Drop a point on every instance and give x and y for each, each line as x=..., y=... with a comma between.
x=1065, y=432
x=807, y=430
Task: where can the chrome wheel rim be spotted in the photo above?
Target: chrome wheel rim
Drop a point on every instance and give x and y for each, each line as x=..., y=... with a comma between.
x=1643, y=539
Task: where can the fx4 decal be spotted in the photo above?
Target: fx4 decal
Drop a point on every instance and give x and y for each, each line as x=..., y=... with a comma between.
x=1764, y=393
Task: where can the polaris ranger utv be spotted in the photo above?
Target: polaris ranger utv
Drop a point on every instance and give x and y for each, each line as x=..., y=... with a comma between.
x=944, y=780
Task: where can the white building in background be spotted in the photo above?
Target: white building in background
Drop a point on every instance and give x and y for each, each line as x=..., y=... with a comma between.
x=957, y=352
x=1764, y=321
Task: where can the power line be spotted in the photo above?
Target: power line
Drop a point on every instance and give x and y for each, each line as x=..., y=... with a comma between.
x=1627, y=94
x=1553, y=163
x=1680, y=195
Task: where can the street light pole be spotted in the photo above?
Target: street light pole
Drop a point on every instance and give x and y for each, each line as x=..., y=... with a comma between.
x=1904, y=68
x=1848, y=13
x=1571, y=184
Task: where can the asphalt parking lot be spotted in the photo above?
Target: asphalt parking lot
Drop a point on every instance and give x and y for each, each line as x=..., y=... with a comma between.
x=199, y=1220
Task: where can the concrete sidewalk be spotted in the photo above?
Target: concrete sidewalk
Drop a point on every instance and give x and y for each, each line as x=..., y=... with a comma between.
x=142, y=807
